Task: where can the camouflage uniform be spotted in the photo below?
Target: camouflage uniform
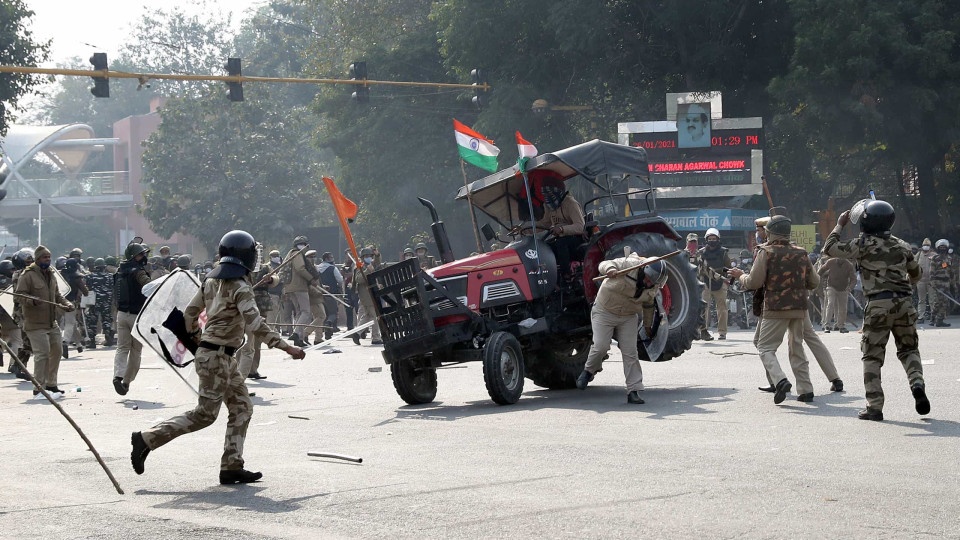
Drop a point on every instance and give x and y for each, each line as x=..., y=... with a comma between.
x=101, y=284
x=887, y=269
x=231, y=311
x=940, y=274
x=248, y=358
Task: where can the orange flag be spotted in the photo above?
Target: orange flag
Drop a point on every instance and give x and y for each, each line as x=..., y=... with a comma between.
x=346, y=212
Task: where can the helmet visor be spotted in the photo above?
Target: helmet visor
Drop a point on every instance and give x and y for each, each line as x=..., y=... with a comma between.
x=856, y=213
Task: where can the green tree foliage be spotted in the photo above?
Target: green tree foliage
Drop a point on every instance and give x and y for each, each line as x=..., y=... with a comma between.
x=18, y=47
x=213, y=166
x=873, y=98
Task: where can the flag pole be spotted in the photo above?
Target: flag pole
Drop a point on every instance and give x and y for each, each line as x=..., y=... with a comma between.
x=473, y=211
x=522, y=162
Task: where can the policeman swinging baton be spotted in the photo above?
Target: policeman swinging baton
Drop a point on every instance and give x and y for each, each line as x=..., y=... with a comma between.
x=648, y=262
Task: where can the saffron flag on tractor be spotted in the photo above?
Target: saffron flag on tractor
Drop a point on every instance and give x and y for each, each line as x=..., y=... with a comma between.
x=346, y=212
x=474, y=148
x=526, y=149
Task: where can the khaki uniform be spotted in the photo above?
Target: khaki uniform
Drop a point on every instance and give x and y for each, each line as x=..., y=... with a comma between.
x=615, y=310
x=926, y=294
x=297, y=292
x=40, y=321
x=231, y=311
x=887, y=270
x=840, y=277
x=319, y=312
x=367, y=312
x=785, y=273
x=710, y=264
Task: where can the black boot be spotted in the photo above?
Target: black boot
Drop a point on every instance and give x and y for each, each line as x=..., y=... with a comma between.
x=256, y=376
x=836, y=385
x=356, y=338
x=64, y=351
x=783, y=388
x=119, y=386
x=806, y=398
x=92, y=344
x=139, y=453
x=295, y=338
x=920, y=396
x=634, y=398
x=584, y=379
x=770, y=388
x=870, y=414
x=242, y=476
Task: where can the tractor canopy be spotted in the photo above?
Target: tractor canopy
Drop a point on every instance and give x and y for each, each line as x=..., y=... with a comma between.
x=604, y=167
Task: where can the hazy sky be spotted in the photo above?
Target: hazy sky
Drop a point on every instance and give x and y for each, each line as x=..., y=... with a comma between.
x=82, y=27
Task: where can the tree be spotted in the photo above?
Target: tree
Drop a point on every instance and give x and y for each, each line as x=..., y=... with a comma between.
x=17, y=47
x=874, y=88
x=213, y=166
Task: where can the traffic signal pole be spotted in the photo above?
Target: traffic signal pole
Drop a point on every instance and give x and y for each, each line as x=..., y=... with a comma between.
x=143, y=78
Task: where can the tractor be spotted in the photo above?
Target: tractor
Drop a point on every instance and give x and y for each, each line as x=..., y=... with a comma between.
x=512, y=309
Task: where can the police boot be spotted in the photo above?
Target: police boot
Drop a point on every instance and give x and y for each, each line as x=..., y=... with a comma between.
x=770, y=388
x=295, y=338
x=920, y=396
x=139, y=453
x=64, y=351
x=242, y=476
x=941, y=324
x=870, y=414
x=92, y=344
x=584, y=379
x=806, y=398
x=836, y=385
x=108, y=341
x=634, y=398
x=119, y=386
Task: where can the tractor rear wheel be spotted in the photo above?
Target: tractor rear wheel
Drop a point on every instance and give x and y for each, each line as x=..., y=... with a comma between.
x=557, y=367
x=685, y=291
x=414, y=383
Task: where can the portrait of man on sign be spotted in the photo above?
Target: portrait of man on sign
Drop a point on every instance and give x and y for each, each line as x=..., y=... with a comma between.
x=693, y=125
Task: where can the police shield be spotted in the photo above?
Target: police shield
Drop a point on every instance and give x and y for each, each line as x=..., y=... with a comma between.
x=62, y=285
x=661, y=330
x=170, y=296
x=6, y=310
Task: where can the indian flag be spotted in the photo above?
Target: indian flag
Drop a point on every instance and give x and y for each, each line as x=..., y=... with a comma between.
x=474, y=148
x=526, y=149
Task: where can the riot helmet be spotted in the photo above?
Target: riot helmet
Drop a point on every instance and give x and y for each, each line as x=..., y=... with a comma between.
x=6, y=268
x=71, y=266
x=877, y=218
x=111, y=261
x=76, y=253
x=779, y=225
x=134, y=249
x=656, y=272
x=23, y=258
x=239, y=248
x=183, y=262
x=61, y=263
x=99, y=264
x=89, y=262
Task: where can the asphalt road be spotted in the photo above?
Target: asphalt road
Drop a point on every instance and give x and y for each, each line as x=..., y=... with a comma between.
x=708, y=455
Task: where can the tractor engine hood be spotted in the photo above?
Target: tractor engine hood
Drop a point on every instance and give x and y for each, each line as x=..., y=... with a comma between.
x=485, y=261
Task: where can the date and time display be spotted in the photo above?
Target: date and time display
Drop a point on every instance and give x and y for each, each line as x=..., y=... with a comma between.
x=722, y=141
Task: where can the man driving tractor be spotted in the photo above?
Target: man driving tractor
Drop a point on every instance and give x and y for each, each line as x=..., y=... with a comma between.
x=558, y=212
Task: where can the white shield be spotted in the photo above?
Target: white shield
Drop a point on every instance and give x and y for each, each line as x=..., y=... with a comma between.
x=174, y=290
x=661, y=330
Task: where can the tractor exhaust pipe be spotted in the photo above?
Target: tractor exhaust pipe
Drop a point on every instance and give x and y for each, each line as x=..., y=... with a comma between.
x=439, y=232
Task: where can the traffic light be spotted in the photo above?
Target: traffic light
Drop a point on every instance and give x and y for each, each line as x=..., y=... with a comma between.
x=479, y=77
x=101, y=85
x=235, y=89
x=358, y=72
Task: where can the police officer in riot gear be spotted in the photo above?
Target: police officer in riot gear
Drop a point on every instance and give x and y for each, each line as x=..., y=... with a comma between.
x=129, y=281
x=228, y=299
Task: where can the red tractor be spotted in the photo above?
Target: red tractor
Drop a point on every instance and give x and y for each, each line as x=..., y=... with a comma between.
x=510, y=309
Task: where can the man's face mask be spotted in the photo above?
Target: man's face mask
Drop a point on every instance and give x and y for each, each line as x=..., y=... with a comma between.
x=44, y=266
x=207, y=268
x=692, y=247
x=713, y=243
x=552, y=196
x=747, y=261
x=368, y=260
x=275, y=260
x=926, y=248
x=301, y=246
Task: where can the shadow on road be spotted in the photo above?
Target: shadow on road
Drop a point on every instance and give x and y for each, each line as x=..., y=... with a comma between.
x=661, y=402
x=242, y=497
x=254, y=384
x=932, y=427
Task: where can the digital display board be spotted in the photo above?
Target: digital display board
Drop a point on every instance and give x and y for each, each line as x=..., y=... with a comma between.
x=700, y=172
x=664, y=144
